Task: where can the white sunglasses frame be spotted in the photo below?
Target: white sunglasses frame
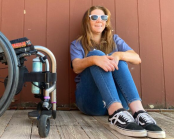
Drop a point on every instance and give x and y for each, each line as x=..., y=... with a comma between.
x=98, y=17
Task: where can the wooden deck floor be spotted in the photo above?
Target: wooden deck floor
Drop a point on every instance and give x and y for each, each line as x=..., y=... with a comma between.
x=14, y=124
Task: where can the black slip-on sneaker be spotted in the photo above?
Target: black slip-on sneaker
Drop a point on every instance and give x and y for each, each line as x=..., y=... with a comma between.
x=144, y=120
x=123, y=122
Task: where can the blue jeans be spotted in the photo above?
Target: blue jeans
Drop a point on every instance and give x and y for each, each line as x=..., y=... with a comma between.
x=98, y=89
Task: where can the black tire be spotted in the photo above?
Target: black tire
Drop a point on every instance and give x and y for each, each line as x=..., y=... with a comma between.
x=44, y=126
x=13, y=74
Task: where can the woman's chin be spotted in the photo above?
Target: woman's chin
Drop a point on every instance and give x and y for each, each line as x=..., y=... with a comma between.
x=98, y=32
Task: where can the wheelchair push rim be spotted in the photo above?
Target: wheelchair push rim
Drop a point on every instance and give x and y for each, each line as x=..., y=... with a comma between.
x=7, y=94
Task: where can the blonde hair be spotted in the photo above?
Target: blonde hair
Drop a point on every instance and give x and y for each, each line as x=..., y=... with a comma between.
x=107, y=43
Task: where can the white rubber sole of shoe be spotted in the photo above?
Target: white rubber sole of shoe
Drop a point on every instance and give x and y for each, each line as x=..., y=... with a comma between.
x=132, y=133
x=156, y=135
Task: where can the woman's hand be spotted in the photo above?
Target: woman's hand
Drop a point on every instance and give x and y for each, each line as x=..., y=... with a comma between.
x=116, y=58
x=107, y=63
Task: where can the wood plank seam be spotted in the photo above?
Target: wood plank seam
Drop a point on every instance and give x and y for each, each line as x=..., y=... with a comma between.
x=32, y=124
x=7, y=124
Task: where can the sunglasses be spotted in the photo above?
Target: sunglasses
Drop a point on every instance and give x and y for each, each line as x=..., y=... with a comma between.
x=95, y=17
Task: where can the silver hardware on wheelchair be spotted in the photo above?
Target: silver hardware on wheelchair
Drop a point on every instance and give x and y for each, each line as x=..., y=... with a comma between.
x=13, y=56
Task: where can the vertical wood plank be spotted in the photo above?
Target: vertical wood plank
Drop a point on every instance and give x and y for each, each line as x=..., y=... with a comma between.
x=12, y=23
x=72, y=132
x=35, y=30
x=34, y=132
x=77, y=10
x=12, y=18
x=151, y=53
x=19, y=127
x=98, y=132
x=35, y=21
x=167, y=22
x=58, y=43
x=127, y=29
x=109, y=4
x=66, y=119
x=4, y=120
x=17, y=132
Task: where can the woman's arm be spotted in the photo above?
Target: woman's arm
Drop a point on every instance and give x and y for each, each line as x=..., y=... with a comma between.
x=105, y=62
x=80, y=64
x=128, y=56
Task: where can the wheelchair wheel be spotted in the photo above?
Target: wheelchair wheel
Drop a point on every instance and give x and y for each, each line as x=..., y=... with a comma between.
x=9, y=73
x=44, y=126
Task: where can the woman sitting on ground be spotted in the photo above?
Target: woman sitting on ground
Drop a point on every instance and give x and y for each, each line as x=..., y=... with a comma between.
x=104, y=82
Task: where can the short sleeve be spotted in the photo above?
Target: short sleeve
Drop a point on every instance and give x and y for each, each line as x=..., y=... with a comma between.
x=121, y=44
x=76, y=50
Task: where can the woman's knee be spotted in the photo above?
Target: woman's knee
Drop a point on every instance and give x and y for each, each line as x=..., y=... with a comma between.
x=96, y=52
x=122, y=64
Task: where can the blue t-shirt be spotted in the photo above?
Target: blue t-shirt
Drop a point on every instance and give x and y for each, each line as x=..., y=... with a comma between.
x=77, y=51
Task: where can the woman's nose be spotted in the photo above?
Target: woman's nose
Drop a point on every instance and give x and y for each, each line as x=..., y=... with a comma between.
x=99, y=19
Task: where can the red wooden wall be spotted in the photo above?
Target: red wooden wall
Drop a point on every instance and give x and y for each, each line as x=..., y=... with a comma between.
x=147, y=26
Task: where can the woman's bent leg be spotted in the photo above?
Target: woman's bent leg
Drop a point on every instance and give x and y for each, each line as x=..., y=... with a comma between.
x=125, y=82
x=122, y=98
x=88, y=97
x=95, y=88
x=97, y=85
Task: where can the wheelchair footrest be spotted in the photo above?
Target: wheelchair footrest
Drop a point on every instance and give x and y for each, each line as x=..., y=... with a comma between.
x=34, y=114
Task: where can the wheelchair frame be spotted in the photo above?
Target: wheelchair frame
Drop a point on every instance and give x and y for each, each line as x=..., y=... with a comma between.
x=47, y=107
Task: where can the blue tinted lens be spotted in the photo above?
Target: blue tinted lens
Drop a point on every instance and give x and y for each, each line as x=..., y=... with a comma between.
x=104, y=17
x=94, y=17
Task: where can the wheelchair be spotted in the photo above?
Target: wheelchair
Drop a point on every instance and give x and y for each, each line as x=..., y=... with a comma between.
x=14, y=74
